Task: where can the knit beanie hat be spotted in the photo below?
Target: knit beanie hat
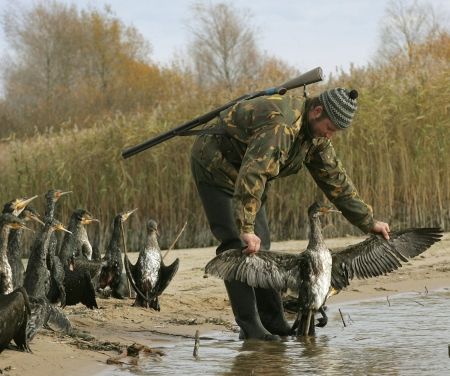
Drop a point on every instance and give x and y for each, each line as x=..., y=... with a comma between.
x=340, y=105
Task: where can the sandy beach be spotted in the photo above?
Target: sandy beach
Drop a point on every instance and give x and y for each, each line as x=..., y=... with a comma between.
x=191, y=303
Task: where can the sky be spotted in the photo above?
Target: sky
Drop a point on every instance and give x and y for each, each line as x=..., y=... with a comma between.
x=303, y=33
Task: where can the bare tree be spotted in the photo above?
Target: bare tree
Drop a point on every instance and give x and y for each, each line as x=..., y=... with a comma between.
x=405, y=25
x=223, y=48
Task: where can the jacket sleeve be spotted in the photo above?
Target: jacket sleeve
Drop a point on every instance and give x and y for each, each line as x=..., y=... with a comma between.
x=329, y=174
x=266, y=151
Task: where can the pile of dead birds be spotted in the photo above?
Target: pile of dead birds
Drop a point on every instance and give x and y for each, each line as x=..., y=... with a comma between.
x=68, y=272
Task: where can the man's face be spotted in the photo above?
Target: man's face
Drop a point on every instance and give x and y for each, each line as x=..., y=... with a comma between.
x=323, y=127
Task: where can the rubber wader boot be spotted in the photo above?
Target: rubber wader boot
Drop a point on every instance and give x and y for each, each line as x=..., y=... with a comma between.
x=271, y=311
x=243, y=303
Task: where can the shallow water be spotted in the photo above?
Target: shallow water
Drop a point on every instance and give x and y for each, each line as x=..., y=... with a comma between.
x=405, y=334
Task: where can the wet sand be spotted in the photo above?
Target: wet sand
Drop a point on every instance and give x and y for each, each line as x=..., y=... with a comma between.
x=190, y=303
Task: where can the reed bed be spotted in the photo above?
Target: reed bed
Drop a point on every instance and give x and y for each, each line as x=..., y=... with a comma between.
x=397, y=154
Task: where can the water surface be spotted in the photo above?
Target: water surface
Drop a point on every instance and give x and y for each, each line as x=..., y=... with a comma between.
x=406, y=334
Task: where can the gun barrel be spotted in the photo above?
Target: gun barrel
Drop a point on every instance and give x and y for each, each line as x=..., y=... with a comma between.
x=310, y=77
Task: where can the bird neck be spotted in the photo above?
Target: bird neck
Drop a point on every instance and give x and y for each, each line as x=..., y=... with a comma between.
x=152, y=240
x=4, y=233
x=315, y=235
x=114, y=243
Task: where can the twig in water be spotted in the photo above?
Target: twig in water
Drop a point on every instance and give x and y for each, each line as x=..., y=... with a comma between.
x=342, y=318
x=175, y=241
x=387, y=298
x=415, y=301
x=196, y=344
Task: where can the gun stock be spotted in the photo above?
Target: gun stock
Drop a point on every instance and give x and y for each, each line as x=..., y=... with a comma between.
x=310, y=77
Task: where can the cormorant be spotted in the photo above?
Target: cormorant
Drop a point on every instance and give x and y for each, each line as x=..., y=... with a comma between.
x=16, y=206
x=78, y=285
x=149, y=274
x=37, y=275
x=112, y=265
x=77, y=243
x=15, y=247
x=54, y=264
x=318, y=273
x=79, y=272
x=14, y=314
x=7, y=222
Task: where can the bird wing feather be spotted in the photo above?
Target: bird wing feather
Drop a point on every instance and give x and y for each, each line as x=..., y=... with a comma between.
x=376, y=256
x=167, y=273
x=266, y=269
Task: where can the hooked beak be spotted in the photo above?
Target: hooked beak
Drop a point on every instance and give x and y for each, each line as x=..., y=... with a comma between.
x=60, y=193
x=36, y=218
x=17, y=226
x=60, y=227
x=21, y=204
x=88, y=220
x=127, y=214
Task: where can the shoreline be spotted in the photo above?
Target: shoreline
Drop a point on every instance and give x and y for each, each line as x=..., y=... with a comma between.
x=192, y=302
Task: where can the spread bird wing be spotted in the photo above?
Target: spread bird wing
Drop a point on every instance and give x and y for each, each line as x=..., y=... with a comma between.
x=376, y=256
x=266, y=269
x=167, y=273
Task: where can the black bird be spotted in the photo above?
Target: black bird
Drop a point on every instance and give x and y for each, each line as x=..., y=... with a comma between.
x=14, y=314
x=54, y=264
x=112, y=265
x=16, y=206
x=7, y=222
x=79, y=286
x=15, y=246
x=77, y=242
x=37, y=275
x=76, y=269
x=150, y=275
x=318, y=273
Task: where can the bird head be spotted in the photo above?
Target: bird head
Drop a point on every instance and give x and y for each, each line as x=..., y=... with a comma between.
x=12, y=222
x=58, y=226
x=30, y=213
x=17, y=205
x=152, y=226
x=318, y=209
x=124, y=216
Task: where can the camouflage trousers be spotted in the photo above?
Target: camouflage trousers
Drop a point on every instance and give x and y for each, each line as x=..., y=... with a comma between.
x=217, y=204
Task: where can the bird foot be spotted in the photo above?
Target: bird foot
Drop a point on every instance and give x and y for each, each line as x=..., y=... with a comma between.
x=322, y=321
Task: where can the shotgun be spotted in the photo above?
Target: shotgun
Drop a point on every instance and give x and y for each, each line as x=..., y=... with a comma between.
x=310, y=77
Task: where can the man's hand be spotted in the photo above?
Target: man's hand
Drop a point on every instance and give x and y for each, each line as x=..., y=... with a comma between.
x=253, y=242
x=381, y=228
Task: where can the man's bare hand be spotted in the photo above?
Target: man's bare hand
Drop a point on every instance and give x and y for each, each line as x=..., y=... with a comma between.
x=253, y=242
x=381, y=228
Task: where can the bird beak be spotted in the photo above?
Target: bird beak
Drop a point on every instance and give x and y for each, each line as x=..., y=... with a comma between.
x=17, y=226
x=61, y=227
x=34, y=217
x=59, y=194
x=21, y=203
x=127, y=214
x=326, y=210
x=87, y=220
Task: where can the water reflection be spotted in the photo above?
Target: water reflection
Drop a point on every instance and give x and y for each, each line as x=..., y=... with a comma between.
x=260, y=358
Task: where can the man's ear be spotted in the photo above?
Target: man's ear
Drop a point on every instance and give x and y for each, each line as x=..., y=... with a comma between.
x=317, y=112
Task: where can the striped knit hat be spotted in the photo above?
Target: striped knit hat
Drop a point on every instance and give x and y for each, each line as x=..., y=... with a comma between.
x=340, y=105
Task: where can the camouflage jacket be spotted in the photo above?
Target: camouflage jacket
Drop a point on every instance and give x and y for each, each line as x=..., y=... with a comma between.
x=267, y=138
